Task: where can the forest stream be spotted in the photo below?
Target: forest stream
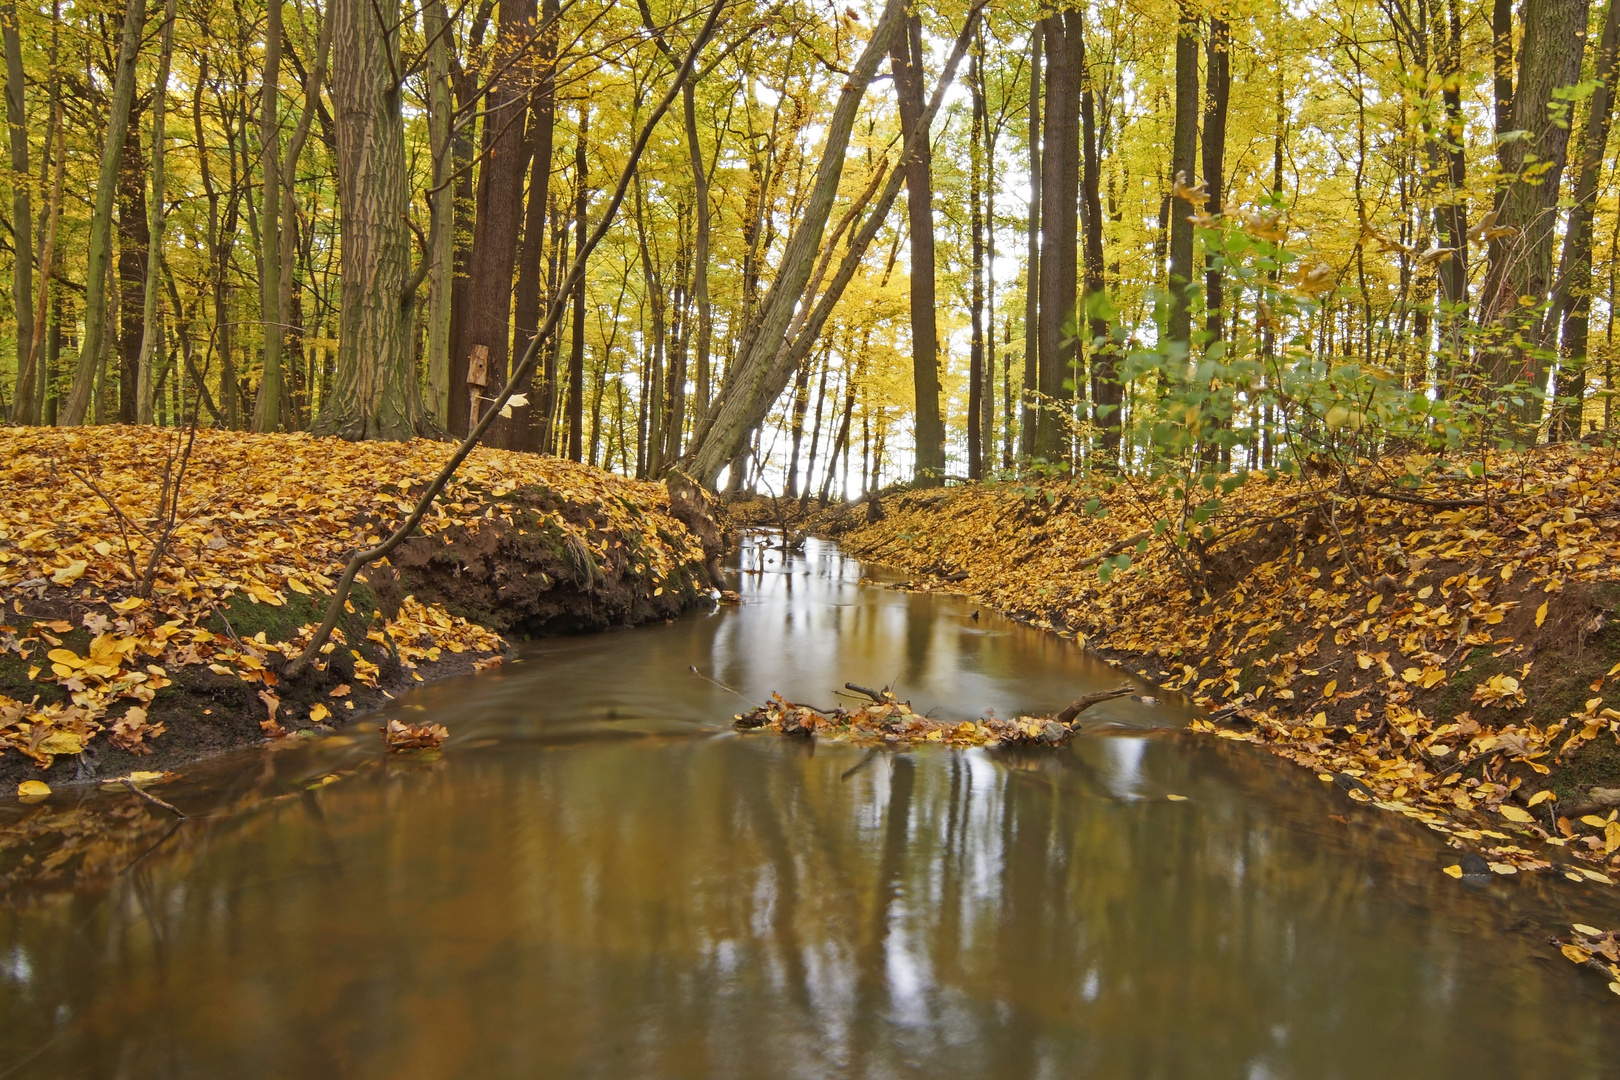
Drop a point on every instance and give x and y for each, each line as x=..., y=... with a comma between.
x=599, y=877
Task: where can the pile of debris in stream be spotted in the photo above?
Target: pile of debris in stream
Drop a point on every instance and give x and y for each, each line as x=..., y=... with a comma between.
x=888, y=720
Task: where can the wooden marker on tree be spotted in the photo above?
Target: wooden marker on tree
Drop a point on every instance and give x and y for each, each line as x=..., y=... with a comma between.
x=477, y=379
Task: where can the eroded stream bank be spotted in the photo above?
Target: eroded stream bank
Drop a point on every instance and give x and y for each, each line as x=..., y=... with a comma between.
x=599, y=878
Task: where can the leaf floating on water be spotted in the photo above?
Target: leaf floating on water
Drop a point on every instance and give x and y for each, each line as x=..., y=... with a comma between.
x=33, y=789
x=1513, y=813
x=1575, y=954
x=1176, y=798
x=1589, y=931
x=1455, y=870
x=399, y=736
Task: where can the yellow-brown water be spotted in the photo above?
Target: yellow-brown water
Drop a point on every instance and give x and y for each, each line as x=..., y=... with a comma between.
x=599, y=878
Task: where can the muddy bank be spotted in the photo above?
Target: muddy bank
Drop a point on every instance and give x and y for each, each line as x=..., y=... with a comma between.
x=1450, y=653
x=98, y=680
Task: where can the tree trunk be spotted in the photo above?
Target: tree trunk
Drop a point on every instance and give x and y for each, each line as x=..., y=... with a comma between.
x=726, y=427
x=525, y=429
x=374, y=394
x=1060, y=233
x=442, y=207
x=1549, y=64
x=906, y=59
x=1107, y=392
x=1572, y=303
x=150, y=328
x=977, y=408
x=22, y=214
x=576, y=352
x=1218, y=76
x=96, y=273
x=267, y=411
x=1032, y=270
x=1452, y=214
x=500, y=208
x=1182, y=167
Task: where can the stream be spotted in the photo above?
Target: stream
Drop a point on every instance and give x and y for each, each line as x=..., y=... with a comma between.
x=598, y=877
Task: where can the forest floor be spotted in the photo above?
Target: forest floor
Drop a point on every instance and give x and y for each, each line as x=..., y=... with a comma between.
x=1448, y=651
x=98, y=682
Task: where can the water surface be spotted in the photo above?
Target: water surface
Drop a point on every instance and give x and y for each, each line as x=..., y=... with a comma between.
x=599, y=879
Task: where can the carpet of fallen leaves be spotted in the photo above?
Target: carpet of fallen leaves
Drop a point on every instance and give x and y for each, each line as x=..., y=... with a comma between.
x=891, y=722
x=261, y=517
x=1404, y=648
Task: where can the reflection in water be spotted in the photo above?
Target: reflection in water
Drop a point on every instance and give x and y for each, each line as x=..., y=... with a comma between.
x=566, y=894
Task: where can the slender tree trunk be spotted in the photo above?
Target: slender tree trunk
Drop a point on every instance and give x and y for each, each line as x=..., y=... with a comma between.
x=374, y=394
x=576, y=354
x=442, y=206
x=1032, y=271
x=1107, y=392
x=815, y=429
x=724, y=431
x=1218, y=75
x=151, y=331
x=1183, y=150
x=978, y=444
x=1452, y=214
x=96, y=274
x=1572, y=301
x=22, y=214
x=267, y=411
x=1060, y=234
x=801, y=404
x=906, y=57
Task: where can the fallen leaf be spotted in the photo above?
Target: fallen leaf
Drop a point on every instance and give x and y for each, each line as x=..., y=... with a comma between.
x=33, y=789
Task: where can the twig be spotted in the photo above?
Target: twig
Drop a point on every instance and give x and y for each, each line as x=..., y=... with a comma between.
x=868, y=691
x=1081, y=704
x=693, y=669
x=153, y=799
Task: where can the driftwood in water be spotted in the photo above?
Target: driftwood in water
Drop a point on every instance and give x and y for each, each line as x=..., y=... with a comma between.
x=1086, y=701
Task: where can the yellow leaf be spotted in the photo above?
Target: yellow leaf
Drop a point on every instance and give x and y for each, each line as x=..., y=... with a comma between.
x=65, y=656
x=70, y=573
x=33, y=789
x=133, y=603
x=1594, y=821
x=1541, y=613
x=1327, y=691
x=1363, y=661
x=319, y=712
x=1454, y=870
x=1372, y=605
x=1575, y=954
x=1587, y=931
x=1540, y=797
x=1615, y=986
x=101, y=547
x=297, y=586
x=1611, y=837
x=61, y=742
x=1503, y=868
x=1513, y=813
x=1594, y=875
x=1176, y=798
x=1412, y=674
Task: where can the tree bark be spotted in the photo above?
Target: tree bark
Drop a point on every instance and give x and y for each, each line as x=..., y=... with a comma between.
x=267, y=411
x=374, y=394
x=1032, y=269
x=906, y=58
x=1060, y=234
x=100, y=257
x=1572, y=302
x=150, y=329
x=726, y=427
x=22, y=214
x=1549, y=63
x=1183, y=150
x=526, y=428
x=576, y=352
x=1107, y=392
x=977, y=409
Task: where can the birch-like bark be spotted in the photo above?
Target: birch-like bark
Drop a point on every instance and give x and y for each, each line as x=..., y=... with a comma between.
x=150, y=334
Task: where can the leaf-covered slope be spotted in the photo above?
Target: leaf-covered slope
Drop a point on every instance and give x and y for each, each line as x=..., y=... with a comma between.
x=1451, y=661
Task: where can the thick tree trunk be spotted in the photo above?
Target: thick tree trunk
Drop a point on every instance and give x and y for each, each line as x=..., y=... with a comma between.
x=1549, y=65
x=1184, y=150
x=374, y=394
x=22, y=214
x=524, y=431
x=442, y=206
x=500, y=207
x=1032, y=268
x=1572, y=302
x=100, y=257
x=906, y=58
x=1060, y=234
